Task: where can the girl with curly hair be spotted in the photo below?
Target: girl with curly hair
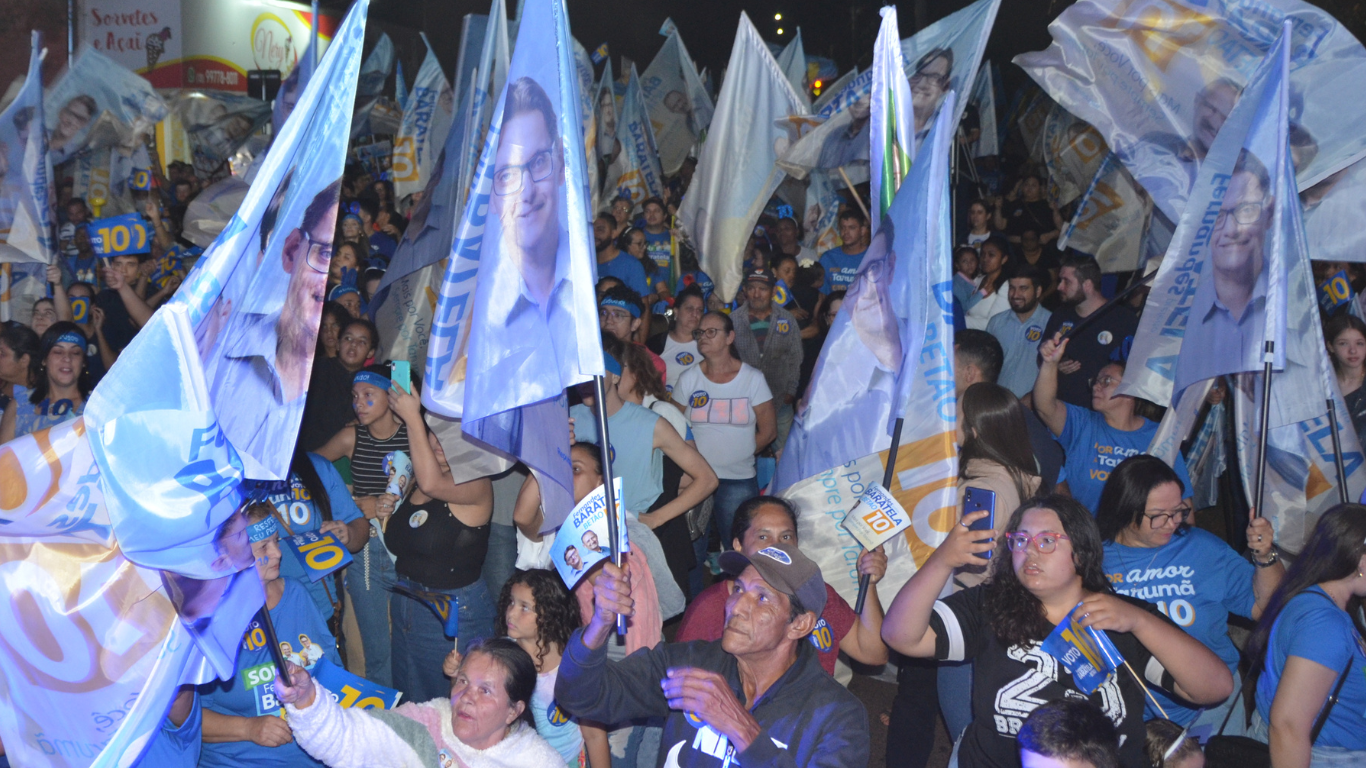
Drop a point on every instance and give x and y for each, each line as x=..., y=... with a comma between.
x=1047, y=563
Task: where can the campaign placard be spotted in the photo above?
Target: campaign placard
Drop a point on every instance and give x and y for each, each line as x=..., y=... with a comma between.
x=353, y=692
x=582, y=542
x=399, y=468
x=120, y=235
x=876, y=518
x=1086, y=652
x=320, y=553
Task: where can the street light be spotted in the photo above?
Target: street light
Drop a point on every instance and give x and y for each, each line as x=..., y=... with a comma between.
x=780, y=30
x=777, y=17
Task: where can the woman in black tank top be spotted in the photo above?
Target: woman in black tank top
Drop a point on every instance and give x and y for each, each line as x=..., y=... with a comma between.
x=439, y=536
x=377, y=434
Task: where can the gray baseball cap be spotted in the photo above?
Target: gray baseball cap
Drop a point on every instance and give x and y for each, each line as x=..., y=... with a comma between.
x=785, y=569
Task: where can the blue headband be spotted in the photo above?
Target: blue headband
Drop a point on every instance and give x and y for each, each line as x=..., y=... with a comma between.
x=626, y=305
x=372, y=378
x=262, y=529
x=72, y=337
x=341, y=291
x=610, y=363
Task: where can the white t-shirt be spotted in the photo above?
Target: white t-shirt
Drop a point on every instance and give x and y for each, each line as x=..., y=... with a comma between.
x=670, y=414
x=722, y=418
x=977, y=240
x=678, y=357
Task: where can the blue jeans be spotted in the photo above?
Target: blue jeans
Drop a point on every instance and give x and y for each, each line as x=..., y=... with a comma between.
x=501, y=559
x=420, y=642
x=368, y=580
x=728, y=496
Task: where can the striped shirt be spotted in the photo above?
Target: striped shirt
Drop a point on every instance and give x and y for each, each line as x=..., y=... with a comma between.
x=368, y=459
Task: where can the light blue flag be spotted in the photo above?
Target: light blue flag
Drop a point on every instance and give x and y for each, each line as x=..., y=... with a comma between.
x=291, y=89
x=890, y=350
x=256, y=294
x=641, y=175
x=472, y=32
x=1236, y=276
x=892, y=134
x=376, y=69
x=427, y=119
x=26, y=226
x=531, y=329
x=488, y=80
x=400, y=87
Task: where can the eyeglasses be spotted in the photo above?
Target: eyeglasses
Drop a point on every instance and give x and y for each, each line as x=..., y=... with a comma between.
x=1160, y=519
x=1044, y=542
x=1243, y=213
x=1105, y=381
x=508, y=179
x=705, y=333
x=319, y=255
x=614, y=314
x=941, y=80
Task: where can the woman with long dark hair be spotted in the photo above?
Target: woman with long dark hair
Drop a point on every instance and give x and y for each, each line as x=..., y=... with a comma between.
x=1191, y=575
x=994, y=263
x=1047, y=563
x=1309, y=643
x=60, y=384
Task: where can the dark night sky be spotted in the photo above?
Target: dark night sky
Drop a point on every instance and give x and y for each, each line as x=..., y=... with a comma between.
x=840, y=29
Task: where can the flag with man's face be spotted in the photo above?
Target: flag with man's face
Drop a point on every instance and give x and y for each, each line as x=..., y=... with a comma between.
x=501, y=356
x=26, y=226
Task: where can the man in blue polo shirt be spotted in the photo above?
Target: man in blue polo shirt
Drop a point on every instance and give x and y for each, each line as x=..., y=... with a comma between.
x=1021, y=329
x=1098, y=438
x=614, y=262
x=842, y=263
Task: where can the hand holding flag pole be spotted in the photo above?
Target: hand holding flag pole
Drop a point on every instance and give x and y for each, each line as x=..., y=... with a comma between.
x=272, y=643
x=613, y=532
x=865, y=581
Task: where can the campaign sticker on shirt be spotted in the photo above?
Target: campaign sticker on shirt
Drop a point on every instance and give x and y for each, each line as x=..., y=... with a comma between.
x=1104, y=338
x=1033, y=333
x=445, y=759
x=782, y=326
x=417, y=518
x=694, y=720
x=555, y=715
x=684, y=358
x=320, y=553
x=699, y=399
x=1065, y=327
x=773, y=553
x=821, y=636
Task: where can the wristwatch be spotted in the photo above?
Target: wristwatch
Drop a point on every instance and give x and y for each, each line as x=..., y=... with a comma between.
x=1270, y=561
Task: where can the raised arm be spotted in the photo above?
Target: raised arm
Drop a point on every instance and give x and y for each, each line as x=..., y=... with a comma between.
x=526, y=511
x=691, y=462
x=864, y=642
x=1052, y=411
x=339, y=738
x=430, y=479
x=907, y=625
x=341, y=444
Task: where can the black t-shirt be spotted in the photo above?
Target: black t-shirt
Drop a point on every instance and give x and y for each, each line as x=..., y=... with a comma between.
x=1096, y=346
x=1010, y=683
x=433, y=548
x=1021, y=216
x=119, y=329
x=328, y=407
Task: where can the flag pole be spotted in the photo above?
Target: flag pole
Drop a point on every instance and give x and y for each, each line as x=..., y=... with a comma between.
x=855, y=193
x=1337, y=451
x=313, y=41
x=1081, y=204
x=864, y=581
x=1085, y=321
x=613, y=533
x=1267, y=356
x=273, y=643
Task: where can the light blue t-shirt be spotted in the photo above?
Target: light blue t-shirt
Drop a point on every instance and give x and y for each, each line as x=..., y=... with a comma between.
x=634, y=457
x=1197, y=581
x=251, y=691
x=1095, y=448
x=840, y=268
x=177, y=747
x=1312, y=627
x=1020, y=343
x=554, y=724
x=296, y=507
x=627, y=269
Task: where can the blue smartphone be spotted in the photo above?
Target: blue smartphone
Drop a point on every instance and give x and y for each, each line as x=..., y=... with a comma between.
x=976, y=500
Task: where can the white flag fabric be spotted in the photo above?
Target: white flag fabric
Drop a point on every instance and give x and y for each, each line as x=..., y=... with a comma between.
x=792, y=61
x=486, y=82
x=641, y=175
x=984, y=98
x=26, y=226
x=676, y=99
x=375, y=71
x=1109, y=225
x=583, y=67
x=427, y=119
x=832, y=89
x=892, y=134
x=1158, y=78
x=736, y=173
x=612, y=156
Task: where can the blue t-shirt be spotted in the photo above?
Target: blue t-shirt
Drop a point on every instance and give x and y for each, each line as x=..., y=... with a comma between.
x=381, y=244
x=627, y=269
x=1312, y=627
x=174, y=747
x=658, y=249
x=1095, y=448
x=296, y=508
x=840, y=268
x=1197, y=581
x=251, y=692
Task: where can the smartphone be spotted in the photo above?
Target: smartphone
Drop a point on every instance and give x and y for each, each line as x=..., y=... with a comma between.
x=976, y=500
x=403, y=375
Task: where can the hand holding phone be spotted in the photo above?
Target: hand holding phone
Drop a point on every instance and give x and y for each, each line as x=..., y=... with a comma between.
x=403, y=375
x=976, y=500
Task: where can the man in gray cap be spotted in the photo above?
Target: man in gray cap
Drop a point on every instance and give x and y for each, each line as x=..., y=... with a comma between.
x=758, y=696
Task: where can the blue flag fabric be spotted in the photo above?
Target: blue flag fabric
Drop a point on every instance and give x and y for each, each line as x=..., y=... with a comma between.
x=290, y=90
x=444, y=606
x=531, y=329
x=26, y=226
x=1086, y=652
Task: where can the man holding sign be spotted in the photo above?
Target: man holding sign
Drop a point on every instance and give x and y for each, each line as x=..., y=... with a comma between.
x=756, y=697
x=122, y=244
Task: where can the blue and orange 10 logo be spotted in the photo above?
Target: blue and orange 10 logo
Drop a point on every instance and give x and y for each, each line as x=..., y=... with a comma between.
x=822, y=637
x=1033, y=333
x=555, y=715
x=684, y=358
x=140, y=179
x=119, y=235
x=699, y=399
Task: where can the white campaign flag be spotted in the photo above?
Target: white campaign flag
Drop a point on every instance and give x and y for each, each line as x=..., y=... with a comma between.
x=641, y=176
x=984, y=98
x=792, y=61
x=427, y=119
x=832, y=89
x=486, y=80
x=736, y=173
x=676, y=99
x=375, y=71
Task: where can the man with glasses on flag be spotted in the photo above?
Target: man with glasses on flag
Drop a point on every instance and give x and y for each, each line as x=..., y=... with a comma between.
x=1228, y=317
x=536, y=315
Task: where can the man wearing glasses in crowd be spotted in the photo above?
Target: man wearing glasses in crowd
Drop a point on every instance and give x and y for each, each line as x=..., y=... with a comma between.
x=1228, y=317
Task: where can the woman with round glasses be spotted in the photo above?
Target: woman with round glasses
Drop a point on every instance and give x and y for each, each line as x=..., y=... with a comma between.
x=1191, y=575
x=1046, y=564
